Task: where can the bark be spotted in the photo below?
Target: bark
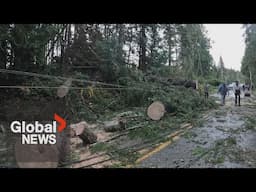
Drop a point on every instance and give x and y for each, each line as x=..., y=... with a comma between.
x=82, y=130
x=142, y=52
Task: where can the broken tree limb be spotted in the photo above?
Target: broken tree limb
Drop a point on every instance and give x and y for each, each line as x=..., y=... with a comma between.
x=131, y=148
x=121, y=134
x=124, y=133
x=88, y=137
x=88, y=104
x=115, y=137
x=181, y=82
x=84, y=67
x=126, y=113
x=174, y=81
x=82, y=130
x=185, y=125
x=63, y=89
x=156, y=110
x=117, y=124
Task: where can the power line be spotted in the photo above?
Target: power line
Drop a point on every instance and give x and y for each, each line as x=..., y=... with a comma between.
x=79, y=88
x=56, y=77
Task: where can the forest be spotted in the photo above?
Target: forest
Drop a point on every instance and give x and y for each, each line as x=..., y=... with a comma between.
x=108, y=69
x=110, y=49
x=248, y=63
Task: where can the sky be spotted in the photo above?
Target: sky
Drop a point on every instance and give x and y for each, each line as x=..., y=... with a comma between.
x=228, y=42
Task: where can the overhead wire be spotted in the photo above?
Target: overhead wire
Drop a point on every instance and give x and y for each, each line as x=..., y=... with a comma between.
x=113, y=86
x=56, y=77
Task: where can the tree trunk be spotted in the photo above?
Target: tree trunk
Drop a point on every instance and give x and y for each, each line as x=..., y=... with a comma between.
x=114, y=125
x=88, y=136
x=129, y=54
x=130, y=45
x=3, y=55
x=169, y=55
x=83, y=132
x=250, y=79
x=119, y=51
x=154, y=42
x=68, y=35
x=142, y=45
x=169, y=42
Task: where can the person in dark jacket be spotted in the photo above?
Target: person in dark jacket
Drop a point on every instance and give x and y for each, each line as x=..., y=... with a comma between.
x=237, y=91
x=206, y=91
x=223, y=92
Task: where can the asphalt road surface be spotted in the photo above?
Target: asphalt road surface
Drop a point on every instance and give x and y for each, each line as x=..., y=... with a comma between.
x=226, y=139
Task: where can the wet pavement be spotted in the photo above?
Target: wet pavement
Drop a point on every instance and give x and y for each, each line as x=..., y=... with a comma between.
x=226, y=139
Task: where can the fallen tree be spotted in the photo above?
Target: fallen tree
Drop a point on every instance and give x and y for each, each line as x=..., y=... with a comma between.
x=116, y=124
x=83, y=132
x=175, y=82
x=157, y=110
x=182, y=82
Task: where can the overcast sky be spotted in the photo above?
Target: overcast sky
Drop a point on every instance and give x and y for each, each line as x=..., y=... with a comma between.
x=228, y=42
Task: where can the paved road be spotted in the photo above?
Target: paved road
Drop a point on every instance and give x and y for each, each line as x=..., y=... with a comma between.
x=225, y=140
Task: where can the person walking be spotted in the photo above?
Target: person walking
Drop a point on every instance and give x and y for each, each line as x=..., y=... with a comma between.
x=206, y=91
x=223, y=92
x=237, y=92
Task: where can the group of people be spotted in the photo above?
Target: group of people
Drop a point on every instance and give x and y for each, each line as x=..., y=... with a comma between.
x=223, y=91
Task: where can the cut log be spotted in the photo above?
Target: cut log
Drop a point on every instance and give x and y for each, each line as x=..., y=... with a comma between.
x=63, y=89
x=156, y=110
x=36, y=156
x=88, y=136
x=172, y=81
x=83, y=132
x=117, y=124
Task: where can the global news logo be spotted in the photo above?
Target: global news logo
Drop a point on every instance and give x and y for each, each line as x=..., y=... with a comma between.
x=38, y=133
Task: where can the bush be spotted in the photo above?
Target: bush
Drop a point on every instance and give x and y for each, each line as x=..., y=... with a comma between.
x=214, y=82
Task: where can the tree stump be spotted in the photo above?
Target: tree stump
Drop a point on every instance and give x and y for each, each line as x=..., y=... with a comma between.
x=156, y=110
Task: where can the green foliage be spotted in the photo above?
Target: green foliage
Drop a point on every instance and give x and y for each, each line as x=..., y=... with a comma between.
x=214, y=82
x=250, y=123
x=105, y=52
x=199, y=151
x=113, y=65
x=100, y=147
x=248, y=63
x=195, y=56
